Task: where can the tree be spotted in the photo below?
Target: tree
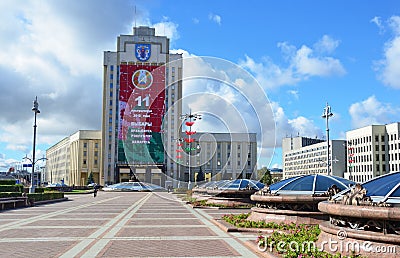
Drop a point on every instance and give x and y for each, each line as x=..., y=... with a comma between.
x=90, y=179
x=200, y=175
x=265, y=176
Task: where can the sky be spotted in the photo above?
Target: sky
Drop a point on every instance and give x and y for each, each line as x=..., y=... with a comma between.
x=302, y=54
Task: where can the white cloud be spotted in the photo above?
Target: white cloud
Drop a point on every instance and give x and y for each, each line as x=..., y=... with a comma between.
x=268, y=74
x=196, y=21
x=167, y=28
x=215, y=18
x=294, y=93
x=54, y=50
x=326, y=45
x=306, y=64
x=302, y=64
x=378, y=22
x=286, y=127
x=304, y=127
x=371, y=111
x=389, y=67
x=394, y=23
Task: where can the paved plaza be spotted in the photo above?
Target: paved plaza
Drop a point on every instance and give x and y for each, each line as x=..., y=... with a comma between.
x=118, y=225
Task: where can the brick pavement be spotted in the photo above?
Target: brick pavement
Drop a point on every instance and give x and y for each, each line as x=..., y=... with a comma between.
x=117, y=225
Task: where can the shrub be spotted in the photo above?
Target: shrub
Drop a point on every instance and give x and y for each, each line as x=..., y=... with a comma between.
x=45, y=196
x=9, y=194
x=11, y=188
x=7, y=182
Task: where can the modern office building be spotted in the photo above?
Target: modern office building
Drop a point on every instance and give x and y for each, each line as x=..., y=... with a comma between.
x=373, y=151
x=140, y=121
x=220, y=156
x=305, y=156
x=74, y=158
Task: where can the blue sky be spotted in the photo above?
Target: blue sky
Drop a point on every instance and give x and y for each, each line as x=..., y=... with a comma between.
x=302, y=53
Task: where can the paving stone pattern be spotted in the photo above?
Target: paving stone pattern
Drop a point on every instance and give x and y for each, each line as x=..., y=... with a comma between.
x=117, y=225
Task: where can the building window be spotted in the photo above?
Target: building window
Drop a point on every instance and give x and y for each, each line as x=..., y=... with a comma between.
x=111, y=68
x=84, y=145
x=84, y=162
x=85, y=153
x=96, y=145
x=96, y=153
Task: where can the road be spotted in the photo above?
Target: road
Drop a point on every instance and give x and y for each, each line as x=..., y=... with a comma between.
x=116, y=224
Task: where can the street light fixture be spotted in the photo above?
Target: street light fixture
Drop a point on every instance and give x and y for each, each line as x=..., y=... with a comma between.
x=190, y=118
x=327, y=114
x=36, y=110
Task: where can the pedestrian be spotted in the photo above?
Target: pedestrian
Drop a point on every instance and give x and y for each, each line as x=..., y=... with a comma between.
x=95, y=189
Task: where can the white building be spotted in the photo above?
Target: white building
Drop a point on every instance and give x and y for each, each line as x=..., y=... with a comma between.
x=74, y=158
x=305, y=156
x=373, y=151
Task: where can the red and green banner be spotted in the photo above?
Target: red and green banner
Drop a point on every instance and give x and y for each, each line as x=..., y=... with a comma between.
x=142, y=107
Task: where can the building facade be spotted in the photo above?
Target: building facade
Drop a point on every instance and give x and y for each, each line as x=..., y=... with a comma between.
x=373, y=151
x=305, y=156
x=221, y=156
x=141, y=88
x=74, y=158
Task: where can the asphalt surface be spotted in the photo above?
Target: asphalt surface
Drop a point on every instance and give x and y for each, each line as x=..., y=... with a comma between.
x=118, y=224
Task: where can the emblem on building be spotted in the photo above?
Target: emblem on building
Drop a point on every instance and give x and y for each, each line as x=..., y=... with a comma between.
x=143, y=52
x=142, y=79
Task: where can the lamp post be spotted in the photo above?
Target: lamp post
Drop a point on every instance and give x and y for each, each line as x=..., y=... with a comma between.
x=189, y=122
x=36, y=110
x=327, y=114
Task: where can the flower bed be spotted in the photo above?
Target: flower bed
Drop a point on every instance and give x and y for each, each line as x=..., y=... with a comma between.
x=287, y=239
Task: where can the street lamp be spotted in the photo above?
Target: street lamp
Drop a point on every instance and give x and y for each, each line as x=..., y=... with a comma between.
x=327, y=114
x=36, y=110
x=189, y=122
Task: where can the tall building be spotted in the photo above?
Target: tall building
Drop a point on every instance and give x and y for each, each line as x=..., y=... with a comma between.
x=140, y=121
x=305, y=156
x=74, y=158
x=373, y=151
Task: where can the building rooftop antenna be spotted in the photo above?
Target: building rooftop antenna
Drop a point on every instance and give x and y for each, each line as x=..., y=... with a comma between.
x=135, y=16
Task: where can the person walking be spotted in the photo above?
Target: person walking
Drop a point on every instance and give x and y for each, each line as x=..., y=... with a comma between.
x=95, y=189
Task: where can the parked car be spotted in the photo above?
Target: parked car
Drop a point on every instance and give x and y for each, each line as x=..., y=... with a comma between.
x=57, y=185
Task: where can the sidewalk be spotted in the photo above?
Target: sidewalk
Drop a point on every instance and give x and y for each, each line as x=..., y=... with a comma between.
x=117, y=225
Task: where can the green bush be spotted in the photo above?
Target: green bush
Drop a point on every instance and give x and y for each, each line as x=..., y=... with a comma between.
x=39, y=190
x=9, y=194
x=45, y=196
x=7, y=182
x=11, y=188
